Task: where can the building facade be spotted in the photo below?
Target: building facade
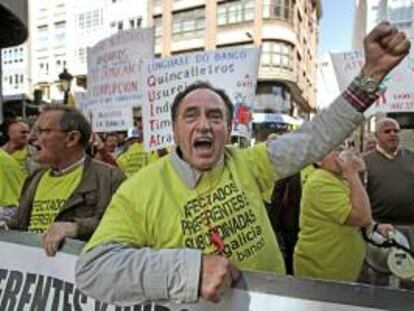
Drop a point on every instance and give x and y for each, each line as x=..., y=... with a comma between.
x=14, y=58
x=286, y=30
x=61, y=31
x=369, y=13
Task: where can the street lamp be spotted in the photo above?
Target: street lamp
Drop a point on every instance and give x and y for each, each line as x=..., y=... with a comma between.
x=65, y=79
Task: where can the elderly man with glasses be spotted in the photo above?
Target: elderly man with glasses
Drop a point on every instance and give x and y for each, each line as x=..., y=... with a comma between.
x=67, y=197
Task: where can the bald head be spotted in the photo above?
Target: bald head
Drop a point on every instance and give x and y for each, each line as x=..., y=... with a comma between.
x=387, y=133
x=18, y=133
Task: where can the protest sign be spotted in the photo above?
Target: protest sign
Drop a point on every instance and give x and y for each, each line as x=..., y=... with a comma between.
x=234, y=70
x=30, y=280
x=82, y=103
x=114, y=68
x=111, y=119
x=399, y=95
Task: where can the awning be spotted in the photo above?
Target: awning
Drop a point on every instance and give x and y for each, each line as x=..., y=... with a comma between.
x=275, y=118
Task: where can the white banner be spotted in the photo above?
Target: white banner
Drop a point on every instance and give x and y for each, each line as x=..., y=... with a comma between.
x=30, y=280
x=399, y=96
x=111, y=119
x=234, y=70
x=115, y=67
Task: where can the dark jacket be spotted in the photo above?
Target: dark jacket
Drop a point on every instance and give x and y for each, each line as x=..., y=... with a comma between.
x=85, y=206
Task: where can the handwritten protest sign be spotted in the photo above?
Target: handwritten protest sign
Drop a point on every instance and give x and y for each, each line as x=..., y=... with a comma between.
x=113, y=119
x=234, y=70
x=82, y=103
x=114, y=67
x=399, y=95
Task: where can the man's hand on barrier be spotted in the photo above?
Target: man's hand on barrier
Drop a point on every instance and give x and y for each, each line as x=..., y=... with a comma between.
x=385, y=47
x=53, y=237
x=217, y=274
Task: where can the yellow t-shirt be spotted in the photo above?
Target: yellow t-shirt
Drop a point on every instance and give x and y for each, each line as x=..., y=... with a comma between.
x=134, y=158
x=11, y=180
x=20, y=156
x=51, y=196
x=327, y=248
x=156, y=209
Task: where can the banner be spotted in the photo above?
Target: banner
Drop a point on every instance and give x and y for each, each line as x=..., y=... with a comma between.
x=399, y=95
x=30, y=280
x=115, y=67
x=234, y=70
x=111, y=119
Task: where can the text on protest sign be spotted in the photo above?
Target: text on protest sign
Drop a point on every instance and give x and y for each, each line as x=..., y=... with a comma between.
x=111, y=119
x=399, y=94
x=233, y=70
x=115, y=65
x=48, y=283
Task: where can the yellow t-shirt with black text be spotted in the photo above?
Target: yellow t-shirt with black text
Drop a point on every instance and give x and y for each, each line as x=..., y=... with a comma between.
x=51, y=196
x=327, y=247
x=20, y=156
x=11, y=180
x=156, y=209
x=134, y=158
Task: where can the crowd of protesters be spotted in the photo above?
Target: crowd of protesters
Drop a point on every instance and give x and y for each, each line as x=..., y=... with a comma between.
x=184, y=224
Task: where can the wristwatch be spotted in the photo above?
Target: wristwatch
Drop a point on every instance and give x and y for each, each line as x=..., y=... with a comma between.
x=368, y=85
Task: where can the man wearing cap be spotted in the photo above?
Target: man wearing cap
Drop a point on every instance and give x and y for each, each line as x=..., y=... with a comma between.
x=181, y=228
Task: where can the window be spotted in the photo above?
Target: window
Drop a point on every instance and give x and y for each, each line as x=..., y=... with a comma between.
x=60, y=33
x=120, y=25
x=277, y=54
x=278, y=9
x=188, y=23
x=158, y=28
x=89, y=21
x=43, y=68
x=42, y=35
x=135, y=22
x=235, y=12
x=81, y=56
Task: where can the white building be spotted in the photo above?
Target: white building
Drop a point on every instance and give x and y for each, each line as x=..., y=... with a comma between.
x=369, y=13
x=15, y=71
x=61, y=31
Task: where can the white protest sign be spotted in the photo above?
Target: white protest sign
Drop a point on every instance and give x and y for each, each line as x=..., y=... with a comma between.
x=399, y=95
x=114, y=67
x=82, y=102
x=110, y=119
x=233, y=70
x=31, y=280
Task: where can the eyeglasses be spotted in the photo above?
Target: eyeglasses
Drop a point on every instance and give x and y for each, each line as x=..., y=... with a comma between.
x=39, y=130
x=389, y=131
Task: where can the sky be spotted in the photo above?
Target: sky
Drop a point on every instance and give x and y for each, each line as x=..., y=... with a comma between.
x=335, y=26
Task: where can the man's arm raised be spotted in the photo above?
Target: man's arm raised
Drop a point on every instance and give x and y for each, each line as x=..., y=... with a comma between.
x=385, y=47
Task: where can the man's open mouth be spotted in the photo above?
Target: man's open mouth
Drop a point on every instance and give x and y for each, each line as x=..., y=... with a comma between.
x=203, y=143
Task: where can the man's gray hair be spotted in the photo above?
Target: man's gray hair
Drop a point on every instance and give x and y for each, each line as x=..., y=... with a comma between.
x=72, y=120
